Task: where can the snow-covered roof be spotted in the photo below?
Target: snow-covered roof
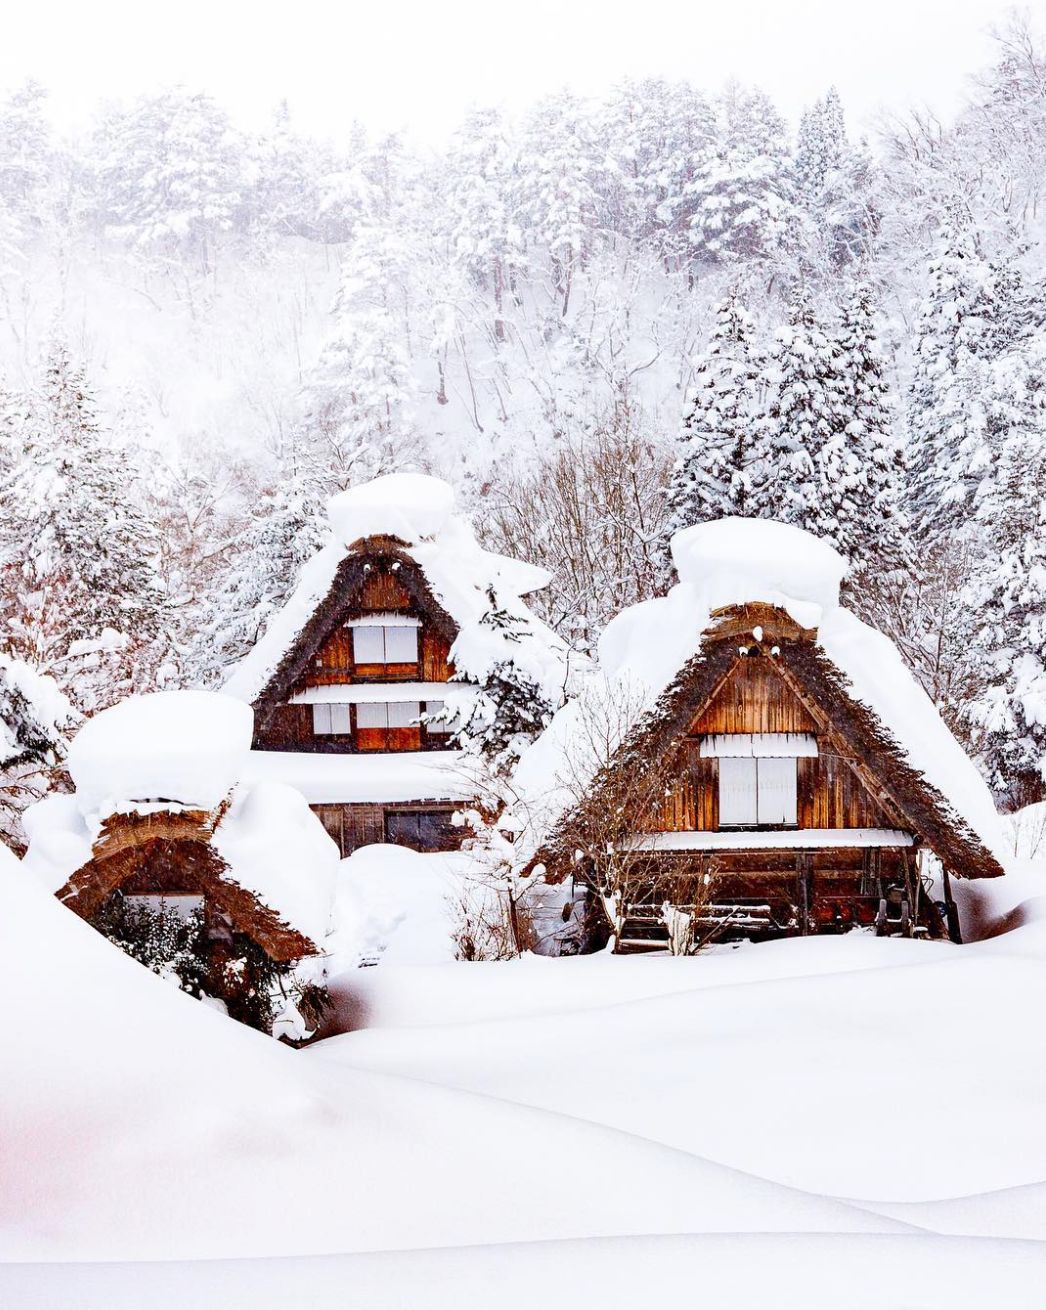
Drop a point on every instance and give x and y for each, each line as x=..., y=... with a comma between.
x=179, y=751
x=378, y=776
x=186, y=747
x=724, y=564
x=419, y=513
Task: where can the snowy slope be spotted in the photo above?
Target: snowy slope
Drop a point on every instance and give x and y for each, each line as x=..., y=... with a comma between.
x=597, y=1126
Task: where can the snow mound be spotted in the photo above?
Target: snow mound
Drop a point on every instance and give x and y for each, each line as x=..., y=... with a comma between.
x=733, y=560
x=397, y=905
x=188, y=747
x=411, y=506
x=277, y=848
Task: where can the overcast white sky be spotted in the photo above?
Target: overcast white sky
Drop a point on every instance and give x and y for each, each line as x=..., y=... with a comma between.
x=404, y=63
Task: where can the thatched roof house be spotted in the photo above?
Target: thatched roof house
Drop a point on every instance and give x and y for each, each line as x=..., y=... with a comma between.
x=399, y=624
x=748, y=736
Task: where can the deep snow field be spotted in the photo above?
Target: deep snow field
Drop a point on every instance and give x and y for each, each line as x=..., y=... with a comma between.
x=844, y=1122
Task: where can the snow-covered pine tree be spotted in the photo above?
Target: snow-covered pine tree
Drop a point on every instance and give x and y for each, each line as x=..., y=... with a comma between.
x=34, y=720
x=508, y=710
x=485, y=229
x=715, y=473
x=557, y=192
x=833, y=185
x=743, y=200
x=362, y=396
x=285, y=530
x=1007, y=601
x=956, y=335
x=78, y=592
x=804, y=413
x=170, y=175
x=862, y=461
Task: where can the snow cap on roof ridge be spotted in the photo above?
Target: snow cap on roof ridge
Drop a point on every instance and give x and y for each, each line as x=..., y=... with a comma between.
x=737, y=561
x=186, y=747
x=410, y=506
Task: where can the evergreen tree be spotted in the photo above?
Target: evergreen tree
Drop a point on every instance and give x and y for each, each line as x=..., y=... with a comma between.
x=1008, y=600
x=805, y=412
x=485, y=227
x=955, y=338
x=714, y=475
x=170, y=175
x=35, y=719
x=362, y=395
x=557, y=190
x=833, y=183
x=743, y=199
x=508, y=710
x=284, y=532
x=79, y=594
x=861, y=462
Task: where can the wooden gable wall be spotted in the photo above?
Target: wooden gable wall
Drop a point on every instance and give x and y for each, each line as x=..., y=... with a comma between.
x=755, y=698
x=290, y=726
x=333, y=663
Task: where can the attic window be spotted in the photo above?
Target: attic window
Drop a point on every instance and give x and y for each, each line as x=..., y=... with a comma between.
x=757, y=792
x=384, y=643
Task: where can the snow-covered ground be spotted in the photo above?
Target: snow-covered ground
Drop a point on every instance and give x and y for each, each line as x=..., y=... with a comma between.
x=819, y=1122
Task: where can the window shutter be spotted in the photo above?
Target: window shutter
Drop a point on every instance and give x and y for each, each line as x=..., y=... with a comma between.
x=321, y=718
x=404, y=714
x=436, y=729
x=372, y=714
x=368, y=645
x=340, y=719
x=777, y=791
x=401, y=645
x=737, y=792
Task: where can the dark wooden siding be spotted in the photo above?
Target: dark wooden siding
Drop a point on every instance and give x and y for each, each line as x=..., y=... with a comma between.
x=382, y=591
x=435, y=656
x=832, y=796
x=754, y=698
x=353, y=826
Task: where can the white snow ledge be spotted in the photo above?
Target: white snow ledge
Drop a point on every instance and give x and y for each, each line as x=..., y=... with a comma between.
x=782, y=839
x=359, y=693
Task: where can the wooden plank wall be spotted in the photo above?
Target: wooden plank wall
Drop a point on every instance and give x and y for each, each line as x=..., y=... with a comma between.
x=754, y=698
x=353, y=826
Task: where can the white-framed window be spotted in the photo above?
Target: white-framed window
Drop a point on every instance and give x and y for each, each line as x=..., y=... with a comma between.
x=757, y=791
x=376, y=644
x=331, y=719
x=388, y=714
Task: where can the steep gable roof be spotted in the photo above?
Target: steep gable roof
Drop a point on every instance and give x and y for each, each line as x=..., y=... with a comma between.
x=664, y=660
x=452, y=581
x=350, y=577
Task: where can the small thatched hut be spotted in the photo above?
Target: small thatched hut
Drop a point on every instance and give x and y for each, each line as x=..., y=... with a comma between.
x=226, y=887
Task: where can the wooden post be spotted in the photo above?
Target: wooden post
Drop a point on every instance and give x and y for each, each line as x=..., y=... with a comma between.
x=804, y=878
x=951, y=909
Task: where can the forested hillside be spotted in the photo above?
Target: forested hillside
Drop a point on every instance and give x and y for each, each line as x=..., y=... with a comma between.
x=600, y=319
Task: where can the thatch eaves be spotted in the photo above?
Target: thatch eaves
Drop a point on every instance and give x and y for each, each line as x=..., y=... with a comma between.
x=182, y=840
